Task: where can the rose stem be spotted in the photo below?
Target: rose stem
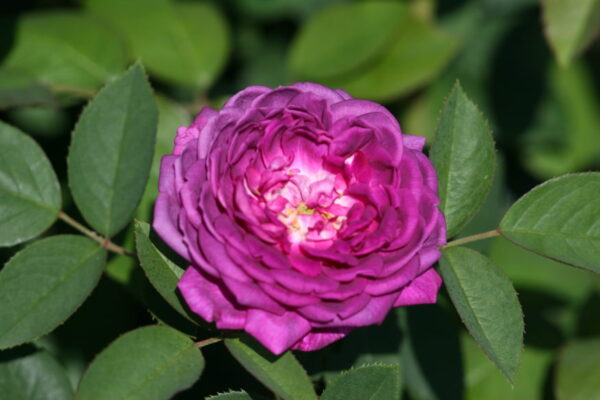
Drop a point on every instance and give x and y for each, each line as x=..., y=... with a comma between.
x=206, y=342
x=473, y=238
x=104, y=242
x=66, y=89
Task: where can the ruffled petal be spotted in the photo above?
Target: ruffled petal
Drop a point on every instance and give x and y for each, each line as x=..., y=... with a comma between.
x=276, y=332
x=206, y=299
x=422, y=290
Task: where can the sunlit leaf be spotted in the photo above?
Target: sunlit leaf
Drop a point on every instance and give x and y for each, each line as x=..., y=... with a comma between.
x=186, y=43
x=417, y=53
x=578, y=372
x=68, y=50
x=325, y=48
x=570, y=26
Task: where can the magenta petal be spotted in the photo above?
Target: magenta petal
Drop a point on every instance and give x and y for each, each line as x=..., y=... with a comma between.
x=288, y=297
x=318, y=339
x=354, y=108
x=373, y=314
x=422, y=290
x=165, y=223
x=207, y=300
x=276, y=332
x=244, y=98
x=251, y=295
x=395, y=281
x=332, y=96
x=413, y=142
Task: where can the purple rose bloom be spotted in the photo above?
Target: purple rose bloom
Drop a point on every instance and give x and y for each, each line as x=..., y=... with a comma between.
x=304, y=213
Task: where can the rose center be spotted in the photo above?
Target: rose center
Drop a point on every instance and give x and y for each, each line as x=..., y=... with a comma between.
x=313, y=208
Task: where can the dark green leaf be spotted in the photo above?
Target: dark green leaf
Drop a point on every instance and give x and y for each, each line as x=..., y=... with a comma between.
x=559, y=219
x=417, y=54
x=19, y=88
x=30, y=374
x=370, y=382
x=69, y=51
x=186, y=43
x=570, y=26
x=231, y=396
x=43, y=284
x=29, y=190
x=464, y=157
x=487, y=303
x=111, y=152
x=325, y=48
x=162, y=273
x=281, y=374
x=578, y=372
x=151, y=363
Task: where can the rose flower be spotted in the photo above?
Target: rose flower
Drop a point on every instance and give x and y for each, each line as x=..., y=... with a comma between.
x=304, y=214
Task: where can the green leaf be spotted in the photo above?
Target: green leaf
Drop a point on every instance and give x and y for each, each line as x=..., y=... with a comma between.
x=162, y=273
x=531, y=271
x=559, y=219
x=29, y=190
x=417, y=54
x=150, y=363
x=325, y=48
x=170, y=117
x=68, y=50
x=230, y=396
x=464, y=157
x=372, y=382
x=43, y=284
x=186, y=43
x=281, y=374
x=19, y=88
x=564, y=135
x=570, y=26
x=111, y=152
x=578, y=371
x=487, y=303
x=484, y=381
x=30, y=374
x=43, y=122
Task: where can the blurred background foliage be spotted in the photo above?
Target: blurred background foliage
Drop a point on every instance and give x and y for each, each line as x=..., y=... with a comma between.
x=533, y=67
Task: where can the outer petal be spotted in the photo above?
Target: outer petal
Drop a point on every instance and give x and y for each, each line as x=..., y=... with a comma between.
x=332, y=96
x=245, y=98
x=206, y=299
x=423, y=290
x=318, y=339
x=276, y=332
x=166, y=212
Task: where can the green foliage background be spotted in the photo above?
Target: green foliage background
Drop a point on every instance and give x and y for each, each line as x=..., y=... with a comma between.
x=532, y=67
